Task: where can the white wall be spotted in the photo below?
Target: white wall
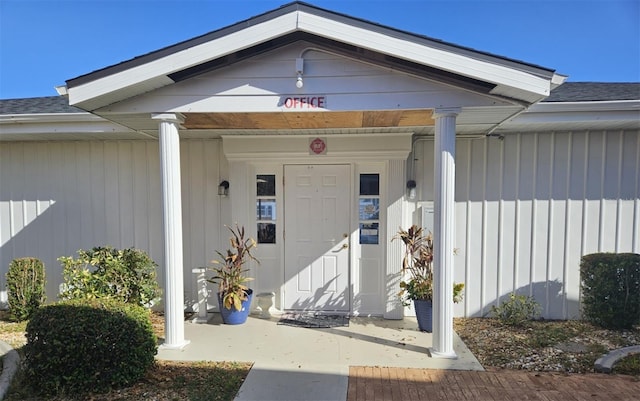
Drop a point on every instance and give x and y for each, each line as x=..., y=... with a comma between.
x=58, y=197
x=529, y=206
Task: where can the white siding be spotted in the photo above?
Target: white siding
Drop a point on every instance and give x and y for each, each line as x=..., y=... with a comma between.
x=529, y=206
x=58, y=197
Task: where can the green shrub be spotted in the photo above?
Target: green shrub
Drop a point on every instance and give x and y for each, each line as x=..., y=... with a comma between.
x=79, y=346
x=26, y=287
x=517, y=310
x=610, y=285
x=128, y=275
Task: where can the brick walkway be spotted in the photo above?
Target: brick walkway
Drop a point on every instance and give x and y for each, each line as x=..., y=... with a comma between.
x=394, y=384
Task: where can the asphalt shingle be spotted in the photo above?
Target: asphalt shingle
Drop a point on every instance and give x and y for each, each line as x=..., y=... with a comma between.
x=595, y=91
x=38, y=105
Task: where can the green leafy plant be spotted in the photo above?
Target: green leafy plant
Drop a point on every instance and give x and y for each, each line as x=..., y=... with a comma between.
x=26, y=287
x=517, y=310
x=230, y=276
x=417, y=261
x=128, y=275
x=610, y=285
x=88, y=345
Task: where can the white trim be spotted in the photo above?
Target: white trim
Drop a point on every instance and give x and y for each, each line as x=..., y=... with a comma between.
x=552, y=112
x=419, y=53
x=29, y=124
x=184, y=59
x=49, y=117
x=295, y=148
x=153, y=74
x=609, y=105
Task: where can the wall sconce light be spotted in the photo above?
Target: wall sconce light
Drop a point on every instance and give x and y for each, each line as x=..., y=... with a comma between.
x=223, y=188
x=411, y=189
x=299, y=72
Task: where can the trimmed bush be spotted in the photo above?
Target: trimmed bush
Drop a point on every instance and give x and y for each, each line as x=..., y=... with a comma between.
x=26, y=287
x=128, y=275
x=610, y=285
x=78, y=346
x=517, y=310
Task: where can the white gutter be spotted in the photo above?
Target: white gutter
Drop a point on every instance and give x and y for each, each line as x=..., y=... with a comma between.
x=609, y=105
x=54, y=123
x=49, y=118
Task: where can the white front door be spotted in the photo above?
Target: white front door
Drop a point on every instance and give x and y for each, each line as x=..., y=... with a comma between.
x=317, y=204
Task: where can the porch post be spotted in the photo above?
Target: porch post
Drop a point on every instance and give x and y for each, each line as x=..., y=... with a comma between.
x=172, y=217
x=443, y=228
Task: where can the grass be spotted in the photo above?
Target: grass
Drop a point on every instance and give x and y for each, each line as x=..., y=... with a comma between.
x=629, y=365
x=166, y=380
x=565, y=346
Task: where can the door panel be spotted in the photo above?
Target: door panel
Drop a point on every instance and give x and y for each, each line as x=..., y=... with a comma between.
x=317, y=204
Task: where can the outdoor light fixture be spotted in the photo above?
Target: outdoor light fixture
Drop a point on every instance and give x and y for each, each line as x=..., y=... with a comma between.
x=223, y=188
x=299, y=71
x=411, y=189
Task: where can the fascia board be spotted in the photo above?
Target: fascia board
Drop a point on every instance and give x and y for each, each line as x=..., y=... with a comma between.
x=557, y=107
x=48, y=118
x=455, y=63
x=159, y=69
x=55, y=123
x=580, y=111
x=155, y=72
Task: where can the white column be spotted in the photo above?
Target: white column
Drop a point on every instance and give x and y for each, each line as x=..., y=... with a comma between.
x=172, y=217
x=443, y=229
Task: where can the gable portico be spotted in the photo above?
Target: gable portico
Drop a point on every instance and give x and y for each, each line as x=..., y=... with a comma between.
x=363, y=85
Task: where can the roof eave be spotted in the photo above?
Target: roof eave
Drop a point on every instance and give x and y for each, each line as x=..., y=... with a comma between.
x=560, y=115
x=515, y=80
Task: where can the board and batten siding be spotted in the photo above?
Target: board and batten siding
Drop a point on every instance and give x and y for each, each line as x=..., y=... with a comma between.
x=59, y=197
x=530, y=205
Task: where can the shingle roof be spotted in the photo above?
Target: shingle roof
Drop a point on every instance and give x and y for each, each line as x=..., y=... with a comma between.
x=595, y=91
x=38, y=105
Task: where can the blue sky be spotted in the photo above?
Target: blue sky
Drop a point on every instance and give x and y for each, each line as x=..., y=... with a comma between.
x=44, y=43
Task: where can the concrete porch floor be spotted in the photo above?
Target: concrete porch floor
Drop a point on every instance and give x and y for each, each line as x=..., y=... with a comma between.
x=295, y=363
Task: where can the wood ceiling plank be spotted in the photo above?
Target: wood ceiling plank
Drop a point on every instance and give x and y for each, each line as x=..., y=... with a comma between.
x=412, y=118
x=381, y=118
x=309, y=120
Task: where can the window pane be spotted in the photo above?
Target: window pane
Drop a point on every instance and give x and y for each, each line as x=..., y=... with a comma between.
x=266, y=233
x=369, y=184
x=368, y=233
x=369, y=209
x=266, y=185
x=266, y=209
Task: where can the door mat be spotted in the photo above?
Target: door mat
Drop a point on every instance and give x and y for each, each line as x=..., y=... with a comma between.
x=313, y=320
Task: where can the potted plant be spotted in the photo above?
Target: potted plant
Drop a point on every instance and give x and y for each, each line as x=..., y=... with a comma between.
x=418, y=263
x=234, y=297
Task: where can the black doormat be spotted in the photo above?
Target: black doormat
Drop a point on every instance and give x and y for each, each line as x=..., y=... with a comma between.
x=314, y=320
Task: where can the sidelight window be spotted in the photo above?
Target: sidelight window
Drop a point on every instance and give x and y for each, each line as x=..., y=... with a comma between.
x=266, y=208
x=369, y=208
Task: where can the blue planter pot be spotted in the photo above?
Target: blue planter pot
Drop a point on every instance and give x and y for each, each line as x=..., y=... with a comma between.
x=424, y=314
x=234, y=316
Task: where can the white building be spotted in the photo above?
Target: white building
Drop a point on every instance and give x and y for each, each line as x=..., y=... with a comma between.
x=317, y=122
